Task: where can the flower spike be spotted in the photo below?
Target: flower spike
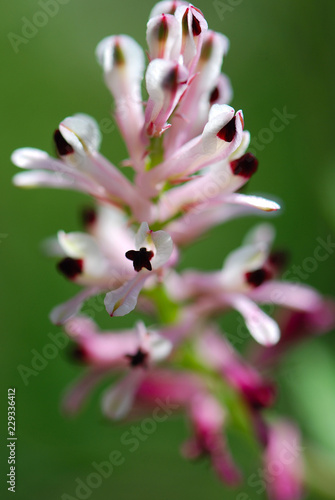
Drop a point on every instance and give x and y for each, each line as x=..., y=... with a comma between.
x=188, y=161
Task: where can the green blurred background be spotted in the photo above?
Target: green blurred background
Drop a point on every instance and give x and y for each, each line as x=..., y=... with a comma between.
x=281, y=55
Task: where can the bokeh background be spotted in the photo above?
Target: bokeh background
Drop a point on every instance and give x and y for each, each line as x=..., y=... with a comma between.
x=281, y=56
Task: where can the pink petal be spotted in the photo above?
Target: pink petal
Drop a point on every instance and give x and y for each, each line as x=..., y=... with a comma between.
x=283, y=462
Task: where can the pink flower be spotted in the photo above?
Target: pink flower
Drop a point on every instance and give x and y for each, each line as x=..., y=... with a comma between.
x=283, y=462
x=206, y=416
x=246, y=279
x=133, y=350
x=219, y=354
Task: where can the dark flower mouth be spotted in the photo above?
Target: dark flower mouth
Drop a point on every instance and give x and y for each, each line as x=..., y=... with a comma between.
x=257, y=277
x=214, y=96
x=137, y=359
x=227, y=133
x=245, y=166
x=63, y=147
x=70, y=267
x=88, y=216
x=141, y=258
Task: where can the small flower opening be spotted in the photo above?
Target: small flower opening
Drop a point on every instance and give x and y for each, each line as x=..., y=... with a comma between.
x=141, y=258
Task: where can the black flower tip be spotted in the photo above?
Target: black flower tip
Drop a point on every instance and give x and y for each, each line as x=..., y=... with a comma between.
x=77, y=354
x=261, y=397
x=88, y=216
x=227, y=133
x=196, y=28
x=63, y=148
x=245, y=166
x=137, y=359
x=141, y=258
x=214, y=95
x=70, y=267
x=257, y=277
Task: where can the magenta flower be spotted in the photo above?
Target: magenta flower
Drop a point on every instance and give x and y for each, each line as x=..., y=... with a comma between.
x=188, y=149
x=283, y=462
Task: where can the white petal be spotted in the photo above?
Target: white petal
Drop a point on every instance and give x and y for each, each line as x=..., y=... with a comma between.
x=77, y=245
x=191, y=44
x=118, y=400
x=82, y=132
x=257, y=202
x=242, y=149
x=131, y=72
x=28, y=157
x=83, y=246
x=66, y=310
x=164, y=246
x=40, y=178
x=123, y=78
x=170, y=47
x=198, y=221
x=262, y=233
x=219, y=116
x=164, y=92
x=124, y=299
x=166, y=7
x=141, y=235
x=249, y=257
x=263, y=328
x=160, y=347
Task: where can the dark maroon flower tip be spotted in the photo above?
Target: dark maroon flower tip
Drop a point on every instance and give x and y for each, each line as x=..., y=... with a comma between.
x=141, y=258
x=70, y=267
x=63, y=148
x=78, y=354
x=88, y=216
x=196, y=28
x=227, y=133
x=214, y=95
x=138, y=359
x=245, y=166
x=260, y=397
x=256, y=278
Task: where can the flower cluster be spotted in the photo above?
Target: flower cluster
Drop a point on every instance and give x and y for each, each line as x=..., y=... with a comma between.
x=189, y=153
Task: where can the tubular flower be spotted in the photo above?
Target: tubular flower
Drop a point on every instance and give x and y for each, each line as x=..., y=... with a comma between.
x=188, y=149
